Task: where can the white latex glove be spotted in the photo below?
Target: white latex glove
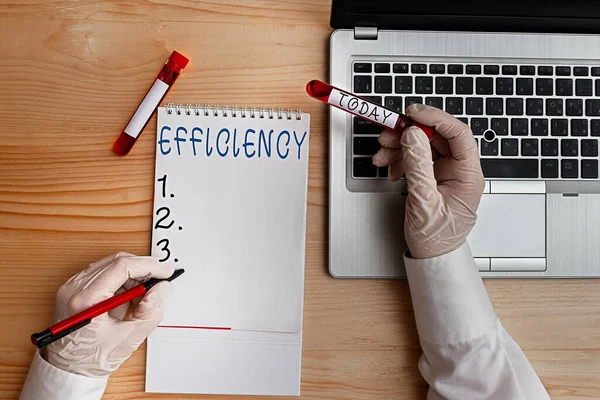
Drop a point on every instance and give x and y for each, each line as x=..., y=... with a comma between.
x=444, y=185
x=102, y=346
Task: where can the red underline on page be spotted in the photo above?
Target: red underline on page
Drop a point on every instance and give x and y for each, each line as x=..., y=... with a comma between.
x=195, y=327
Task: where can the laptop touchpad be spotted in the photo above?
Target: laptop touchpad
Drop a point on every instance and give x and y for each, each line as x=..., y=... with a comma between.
x=510, y=225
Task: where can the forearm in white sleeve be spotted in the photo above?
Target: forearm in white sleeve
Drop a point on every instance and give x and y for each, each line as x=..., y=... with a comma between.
x=467, y=353
x=45, y=381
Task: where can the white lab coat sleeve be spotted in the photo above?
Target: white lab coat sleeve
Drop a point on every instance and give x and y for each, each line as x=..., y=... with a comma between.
x=45, y=381
x=467, y=353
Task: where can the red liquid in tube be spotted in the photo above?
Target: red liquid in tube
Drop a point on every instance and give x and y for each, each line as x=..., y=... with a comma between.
x=164, y=81
x=363, y=108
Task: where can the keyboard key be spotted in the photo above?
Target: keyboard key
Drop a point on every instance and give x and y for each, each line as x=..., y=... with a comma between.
x=592, y=108
x=404, y=84
x=364, y=168
x=474, y=106
x=595, y=127
x=529, y=147
x=489, y=148
x=569, y=169
x=559, y=127
x=364, y=127
x=581, y=71
x=579, y=127
x=454, y=105
x=583, y=87
x=382, y=68
x=366, y=146
x=464, y=85
x=491, y=69
x=519, y=127
x=527, y=70
x=418, y=68
x=549, y=168
x=514, y=106
x=589, y=169
x=437, y=102
x=500, y=126
x=545, y=70
x=383, y=172
x=394, y=103
x=549, y=147
x=362, y=67
x=539, y=127
x=510, y=147
x=509, y=168
x=424, y=85
x=484, y=85
x=596, y=71
x=544, y=86
x=525, y=86
x=589, y=148
x=535, y=107
x=568, y=147
x=374, y=99
x=564, y=87
x=504, y=86
x=413, y=100
x=597, y=83
x=362, y=84
x=400, y=68
x=455, y=69
x=494, y=106
x=554, y=107
x=383, y=84
x=509, y=70
x=473, y=69
x=463, y=120
x=437, y=69
x=574, y=107
x=479, y=125
x=444, y=85
x=563, y=71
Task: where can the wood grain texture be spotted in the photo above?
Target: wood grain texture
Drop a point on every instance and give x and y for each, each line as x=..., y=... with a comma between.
x=71, y=74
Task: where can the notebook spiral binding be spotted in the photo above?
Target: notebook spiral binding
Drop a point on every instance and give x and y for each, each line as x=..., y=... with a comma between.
x=227, y=111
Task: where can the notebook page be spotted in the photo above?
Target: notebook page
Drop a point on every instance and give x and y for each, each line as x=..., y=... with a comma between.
x=230, y=208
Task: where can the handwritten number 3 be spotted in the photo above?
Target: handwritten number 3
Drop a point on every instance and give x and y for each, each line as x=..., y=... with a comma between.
x=167, y=213
x=165, y=248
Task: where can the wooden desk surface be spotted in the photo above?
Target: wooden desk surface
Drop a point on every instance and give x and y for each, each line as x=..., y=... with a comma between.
x=72, y=73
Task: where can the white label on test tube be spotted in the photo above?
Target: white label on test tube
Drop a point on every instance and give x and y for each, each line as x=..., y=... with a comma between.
x=358, y=106
x=145, y=110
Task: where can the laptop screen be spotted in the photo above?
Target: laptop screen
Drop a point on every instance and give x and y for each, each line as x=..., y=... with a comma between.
x=506, y=15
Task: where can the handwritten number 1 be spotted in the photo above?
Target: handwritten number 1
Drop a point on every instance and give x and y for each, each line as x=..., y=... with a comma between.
x=164, y=185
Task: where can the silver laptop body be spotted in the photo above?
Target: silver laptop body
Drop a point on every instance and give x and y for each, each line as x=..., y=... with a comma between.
x=540, y=211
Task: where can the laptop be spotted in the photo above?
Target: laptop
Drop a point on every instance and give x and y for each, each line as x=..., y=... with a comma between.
x=525, y=76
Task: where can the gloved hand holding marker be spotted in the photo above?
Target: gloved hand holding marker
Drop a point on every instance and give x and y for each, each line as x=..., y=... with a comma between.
x=363, y=108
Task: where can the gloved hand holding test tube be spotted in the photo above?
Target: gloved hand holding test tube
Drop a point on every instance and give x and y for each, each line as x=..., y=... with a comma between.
x=363, y=108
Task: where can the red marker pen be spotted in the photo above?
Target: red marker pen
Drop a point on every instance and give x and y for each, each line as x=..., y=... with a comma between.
x=363, y=108
x=77, y=321
x=165, y=79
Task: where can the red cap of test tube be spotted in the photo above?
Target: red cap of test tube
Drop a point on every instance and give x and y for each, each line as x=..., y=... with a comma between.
x=179, y=59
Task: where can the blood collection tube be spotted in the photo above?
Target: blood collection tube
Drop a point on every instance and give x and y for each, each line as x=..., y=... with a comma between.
x=363, y=108
x=165, y=79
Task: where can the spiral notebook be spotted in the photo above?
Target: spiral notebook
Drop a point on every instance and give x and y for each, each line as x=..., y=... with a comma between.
x=230, y=207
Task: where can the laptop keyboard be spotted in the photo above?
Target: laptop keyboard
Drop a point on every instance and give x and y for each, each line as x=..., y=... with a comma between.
x=529, y=121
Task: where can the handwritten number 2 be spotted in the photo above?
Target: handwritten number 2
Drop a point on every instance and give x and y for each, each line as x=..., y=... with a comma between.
x=164, y=185
x=167, y=213
x=165, y=248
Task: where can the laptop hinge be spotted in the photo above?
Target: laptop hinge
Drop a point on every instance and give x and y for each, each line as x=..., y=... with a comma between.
x=365, y=33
